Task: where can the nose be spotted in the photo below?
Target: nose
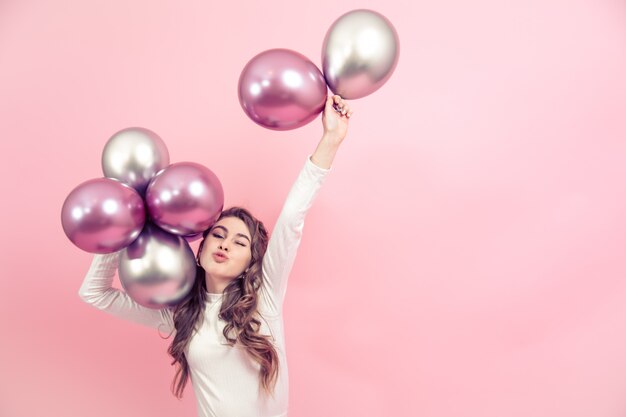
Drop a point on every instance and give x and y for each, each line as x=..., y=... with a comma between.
x=223, y=247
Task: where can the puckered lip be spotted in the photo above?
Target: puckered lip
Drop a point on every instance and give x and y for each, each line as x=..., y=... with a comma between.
x=220, y=255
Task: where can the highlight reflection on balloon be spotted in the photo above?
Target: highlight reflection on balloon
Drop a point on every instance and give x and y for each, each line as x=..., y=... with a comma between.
x=184, y=198
x=103, y=215
x=133, y=156
x=281, y=89
x=158, y=269
x=359, y=53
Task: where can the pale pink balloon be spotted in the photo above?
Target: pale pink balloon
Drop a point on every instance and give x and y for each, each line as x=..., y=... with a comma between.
x=103, y=215
x=185, y=198
x=281, y=89
x=193, y=238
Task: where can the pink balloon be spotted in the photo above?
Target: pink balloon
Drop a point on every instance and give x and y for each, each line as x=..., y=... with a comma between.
x=185, y=198
x=281, y=89
x=103, y=215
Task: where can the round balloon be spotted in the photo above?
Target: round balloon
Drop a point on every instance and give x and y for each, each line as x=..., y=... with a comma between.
x=359, y=53
x=281, y=89
x=133, y=156
x=184, y=198
x=103, y=215
x=158, y=269
x=193, y=238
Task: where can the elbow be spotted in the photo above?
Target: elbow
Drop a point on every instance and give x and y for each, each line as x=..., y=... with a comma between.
x=84, y=296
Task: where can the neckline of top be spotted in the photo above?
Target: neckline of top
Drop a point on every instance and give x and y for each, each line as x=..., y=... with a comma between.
x=214, y=296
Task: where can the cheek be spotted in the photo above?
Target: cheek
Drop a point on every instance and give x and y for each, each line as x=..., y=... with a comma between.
x=244, y=257
x=209, y=245
x=248, y=258
x=207, y=249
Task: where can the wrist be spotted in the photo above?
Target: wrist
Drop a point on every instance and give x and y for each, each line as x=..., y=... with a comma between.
x=332, y=138
x=325, y=152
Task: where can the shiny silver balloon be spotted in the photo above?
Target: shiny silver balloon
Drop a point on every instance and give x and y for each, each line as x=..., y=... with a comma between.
x=134, y=155
x=359, y=53
x=158, y=269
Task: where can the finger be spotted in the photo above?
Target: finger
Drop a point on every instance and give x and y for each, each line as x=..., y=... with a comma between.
x=329, y=103
x=334, y=104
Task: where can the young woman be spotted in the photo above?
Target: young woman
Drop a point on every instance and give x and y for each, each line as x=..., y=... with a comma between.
x=229, y=330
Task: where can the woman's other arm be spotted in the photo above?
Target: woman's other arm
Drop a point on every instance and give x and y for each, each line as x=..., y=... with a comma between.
x=97, y=291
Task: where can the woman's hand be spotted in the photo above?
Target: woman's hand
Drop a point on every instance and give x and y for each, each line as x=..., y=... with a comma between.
x=336, y=123
x=335, y=129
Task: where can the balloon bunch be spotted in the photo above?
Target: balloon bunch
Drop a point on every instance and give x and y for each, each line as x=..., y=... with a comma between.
x=281, y=89
x=148, y=208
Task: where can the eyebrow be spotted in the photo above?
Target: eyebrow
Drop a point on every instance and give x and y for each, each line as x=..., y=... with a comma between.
x=238, y=234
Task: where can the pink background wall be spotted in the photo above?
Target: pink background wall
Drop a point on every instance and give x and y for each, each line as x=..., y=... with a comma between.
x=465, y=257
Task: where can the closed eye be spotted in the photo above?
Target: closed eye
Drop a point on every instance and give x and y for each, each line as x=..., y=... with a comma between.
x=221, y=237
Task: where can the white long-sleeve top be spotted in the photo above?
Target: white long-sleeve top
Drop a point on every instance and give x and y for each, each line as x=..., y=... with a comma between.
x=225, y=379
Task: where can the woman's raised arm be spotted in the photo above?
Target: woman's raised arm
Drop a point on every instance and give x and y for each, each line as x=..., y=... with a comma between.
x=286, y=236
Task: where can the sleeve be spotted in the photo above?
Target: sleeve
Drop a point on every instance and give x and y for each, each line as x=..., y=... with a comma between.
x=97, y=291
x=285, y=239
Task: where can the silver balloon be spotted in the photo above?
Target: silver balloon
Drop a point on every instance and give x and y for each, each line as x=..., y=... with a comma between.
x=359, y=54
x=134, y=155
x=158, y=269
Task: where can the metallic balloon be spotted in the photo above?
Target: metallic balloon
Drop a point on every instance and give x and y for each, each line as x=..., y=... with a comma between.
x=281, y=89
x=134, y=155
x=103, y=215
x=184, y=198
x=192, y=238
x=158, y=269
x=359, y=53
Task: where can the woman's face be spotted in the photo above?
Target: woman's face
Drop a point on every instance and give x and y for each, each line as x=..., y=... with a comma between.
x=229, y=236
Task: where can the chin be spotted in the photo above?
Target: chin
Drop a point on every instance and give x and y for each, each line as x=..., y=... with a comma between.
x=217, y=271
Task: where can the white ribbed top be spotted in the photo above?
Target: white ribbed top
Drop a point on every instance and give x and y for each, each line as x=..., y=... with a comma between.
x=225, y=379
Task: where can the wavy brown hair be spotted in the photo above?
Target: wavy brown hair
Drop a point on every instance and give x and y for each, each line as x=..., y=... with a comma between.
x=239, y=305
